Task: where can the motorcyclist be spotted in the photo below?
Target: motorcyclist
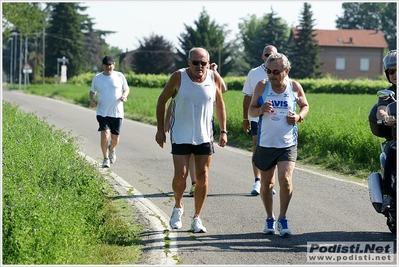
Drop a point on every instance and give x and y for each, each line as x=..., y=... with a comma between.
x=390, y=149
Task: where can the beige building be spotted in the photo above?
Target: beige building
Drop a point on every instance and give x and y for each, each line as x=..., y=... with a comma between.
x=350, y=54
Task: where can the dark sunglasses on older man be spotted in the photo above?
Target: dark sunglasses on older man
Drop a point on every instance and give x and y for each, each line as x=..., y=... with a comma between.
x=391, y=71
x=267, y=55
x=275, y=72
x=196, y=63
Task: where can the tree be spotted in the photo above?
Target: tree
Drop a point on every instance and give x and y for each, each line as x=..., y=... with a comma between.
x=64, y=37
x=257, y=33
x=94, y=45
x=210, y=36
x=27, y=18
x=305, y=56
x=276, y=33
x=253, y=40
x=28, y=21
x=371, y=16
x=155, y=55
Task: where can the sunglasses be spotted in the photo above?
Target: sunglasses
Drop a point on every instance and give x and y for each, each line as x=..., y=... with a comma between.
x=391, y=71
x=196, y=62
x=267, y=55
x=275, y=72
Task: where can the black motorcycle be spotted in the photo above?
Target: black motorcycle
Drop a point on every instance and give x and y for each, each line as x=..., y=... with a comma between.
x=375, y=180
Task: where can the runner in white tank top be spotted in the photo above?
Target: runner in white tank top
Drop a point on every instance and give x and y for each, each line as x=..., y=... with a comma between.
x=250, y=124
x=191, y=118
x=273, y=128
x=194, y=91
x=275, y=103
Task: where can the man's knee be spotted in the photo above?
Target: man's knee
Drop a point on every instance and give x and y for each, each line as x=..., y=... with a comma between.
x=105, y=133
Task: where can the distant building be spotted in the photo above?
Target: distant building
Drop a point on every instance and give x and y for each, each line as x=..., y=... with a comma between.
x=350, y=54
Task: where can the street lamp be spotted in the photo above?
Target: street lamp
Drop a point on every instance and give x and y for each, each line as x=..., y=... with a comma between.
x=11, y=58
x=15, y=34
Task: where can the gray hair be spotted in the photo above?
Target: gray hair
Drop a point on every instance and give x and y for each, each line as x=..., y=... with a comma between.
x=279, y=56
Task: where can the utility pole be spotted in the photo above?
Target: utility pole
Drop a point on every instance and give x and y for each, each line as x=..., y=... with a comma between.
x=26, y=59
x=14, y=65
x=44, y=56
x=11, y=57
x=20, y=61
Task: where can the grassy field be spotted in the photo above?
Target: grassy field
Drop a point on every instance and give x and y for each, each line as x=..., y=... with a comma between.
x=334, y=136
x=57, y=209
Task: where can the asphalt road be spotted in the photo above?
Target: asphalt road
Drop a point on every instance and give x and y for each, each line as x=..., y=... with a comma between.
x=322, y=208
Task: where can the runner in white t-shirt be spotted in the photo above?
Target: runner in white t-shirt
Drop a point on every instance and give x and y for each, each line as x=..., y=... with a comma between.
x=112, y=90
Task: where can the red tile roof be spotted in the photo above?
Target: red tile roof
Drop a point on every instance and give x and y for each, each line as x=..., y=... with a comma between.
x=349, y=38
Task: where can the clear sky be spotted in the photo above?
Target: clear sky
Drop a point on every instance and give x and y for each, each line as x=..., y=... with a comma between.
x=135, y=20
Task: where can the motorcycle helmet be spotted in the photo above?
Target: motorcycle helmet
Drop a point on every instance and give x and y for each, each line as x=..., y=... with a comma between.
x=389, y=61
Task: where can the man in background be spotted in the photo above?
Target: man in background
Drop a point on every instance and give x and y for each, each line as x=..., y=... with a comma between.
x=112, y=90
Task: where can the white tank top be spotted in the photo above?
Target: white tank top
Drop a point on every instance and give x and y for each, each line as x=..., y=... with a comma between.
x=191, y=118
x=273, y=129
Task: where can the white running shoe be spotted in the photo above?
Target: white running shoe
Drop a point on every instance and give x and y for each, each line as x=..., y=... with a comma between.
x=270, y=227
x=112, y=154
x=196, y=226
x=256, y=189
x=175, y=219
x=106, y=163
x=282, y=227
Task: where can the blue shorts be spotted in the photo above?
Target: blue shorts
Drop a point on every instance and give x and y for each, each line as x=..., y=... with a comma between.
x=109, y=123
x=186, y=149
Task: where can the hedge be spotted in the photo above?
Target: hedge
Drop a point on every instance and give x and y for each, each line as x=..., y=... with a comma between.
x=323, y=85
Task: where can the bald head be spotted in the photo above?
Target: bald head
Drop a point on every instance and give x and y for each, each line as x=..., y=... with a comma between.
x=267, y=51
x=198, y=51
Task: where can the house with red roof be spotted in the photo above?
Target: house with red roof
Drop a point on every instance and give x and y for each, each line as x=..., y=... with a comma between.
x=350, y=54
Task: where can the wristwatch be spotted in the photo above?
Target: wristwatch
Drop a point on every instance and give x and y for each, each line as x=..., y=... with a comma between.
x=224, y=132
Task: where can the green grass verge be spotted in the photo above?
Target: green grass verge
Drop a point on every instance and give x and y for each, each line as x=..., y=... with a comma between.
x=57, y=209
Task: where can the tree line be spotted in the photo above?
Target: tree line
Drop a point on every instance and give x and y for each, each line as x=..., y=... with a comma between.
x=51, y=30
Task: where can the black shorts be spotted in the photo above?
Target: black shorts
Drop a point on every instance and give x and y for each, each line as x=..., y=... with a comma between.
x=266, y=158
x=109, y=123
x=254, y=129
x=186, y=149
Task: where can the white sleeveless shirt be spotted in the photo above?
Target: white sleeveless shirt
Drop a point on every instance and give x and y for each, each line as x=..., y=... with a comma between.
x=273, y=129
x=191, y=118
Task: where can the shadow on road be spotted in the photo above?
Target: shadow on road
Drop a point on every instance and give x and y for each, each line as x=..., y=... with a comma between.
x=257, y=242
